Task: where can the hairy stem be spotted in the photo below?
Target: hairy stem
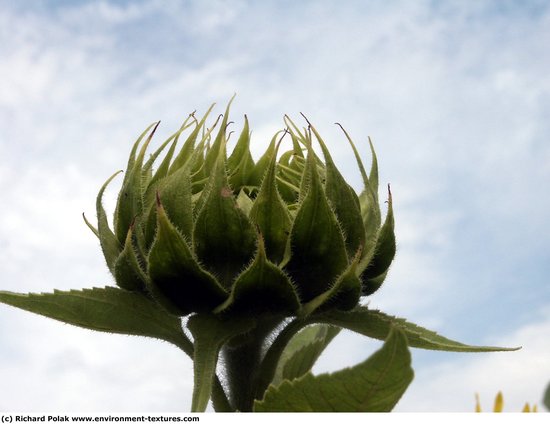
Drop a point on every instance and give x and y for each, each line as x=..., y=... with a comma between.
x=242, y=359
x=270, y=361
x=219, y=398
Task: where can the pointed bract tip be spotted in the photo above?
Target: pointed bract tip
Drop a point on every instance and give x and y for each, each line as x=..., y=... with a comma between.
x=371, y=144
x=344, y=130
x=281, y=139
x=389, y=193
x=150, y=137
x=305, y=118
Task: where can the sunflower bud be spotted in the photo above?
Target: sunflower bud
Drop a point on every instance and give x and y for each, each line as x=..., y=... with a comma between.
x=210, y=232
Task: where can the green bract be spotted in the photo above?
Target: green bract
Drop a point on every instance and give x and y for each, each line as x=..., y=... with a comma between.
x=213, y=231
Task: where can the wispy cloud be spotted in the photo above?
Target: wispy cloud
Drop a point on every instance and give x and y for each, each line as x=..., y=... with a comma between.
x=455, y=97
x=522, y=376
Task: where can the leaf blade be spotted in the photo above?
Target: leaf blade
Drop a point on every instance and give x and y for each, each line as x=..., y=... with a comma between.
x=220, y=216
x=271, y=215
x=110, y=245
x=302, y=358
x=108, y=309
x=376, y=324
x=374, y=268
x=318, y=252
x=177, y=279
x=374, y=385
x=344, y=201
x=261, y=288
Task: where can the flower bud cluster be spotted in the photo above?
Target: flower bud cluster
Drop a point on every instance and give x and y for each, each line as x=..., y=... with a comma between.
x=211, y=232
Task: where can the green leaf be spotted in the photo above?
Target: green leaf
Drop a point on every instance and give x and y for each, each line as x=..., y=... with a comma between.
x=110, y=244
x=368, y=199
x=130, y=199
x=290, y=169
x=289, y=174
x=240, y=163
x=128, y=272
x=344, y=294
x=107, y=309
x=297, y=135
x=318, y=252
x=376, y=324
x=374, y=273
x=370, y=212
x=262, y=288
x=373, y=175
x=244, y=202
x=164, y=166
x=132, y=158
x=189, y=145
x=161, y=172
x=344, y=201
x=176, y=279
x=260, y=168
x=375, y=385
x=271, y=215
x=223, y=238
x=210, y=333
x=175, y=195
x=219, y=145
x=303, y=350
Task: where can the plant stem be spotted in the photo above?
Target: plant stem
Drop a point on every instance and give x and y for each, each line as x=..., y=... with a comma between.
x=219, y=398
x=241, y=361
x=266, y=370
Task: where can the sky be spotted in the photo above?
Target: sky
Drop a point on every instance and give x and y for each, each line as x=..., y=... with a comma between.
x=455, y=96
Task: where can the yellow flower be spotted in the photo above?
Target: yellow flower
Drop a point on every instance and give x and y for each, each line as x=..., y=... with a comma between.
x=499, y=404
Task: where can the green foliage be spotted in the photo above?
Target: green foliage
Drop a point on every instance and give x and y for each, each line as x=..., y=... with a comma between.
x=261, y=289
x=376, y=324
x=103, y=309
x=316, y=239
x=376, y=384
x=267, y=259
x=303, y=350
x=180, y=283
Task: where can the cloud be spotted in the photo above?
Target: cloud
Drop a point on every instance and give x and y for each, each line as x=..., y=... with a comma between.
x=47, y=366
x=454, y=96
x=522, y=376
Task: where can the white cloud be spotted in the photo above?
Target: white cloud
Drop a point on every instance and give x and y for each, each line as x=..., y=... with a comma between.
x=456, y=105
x=522, y=376
x=53, y=367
